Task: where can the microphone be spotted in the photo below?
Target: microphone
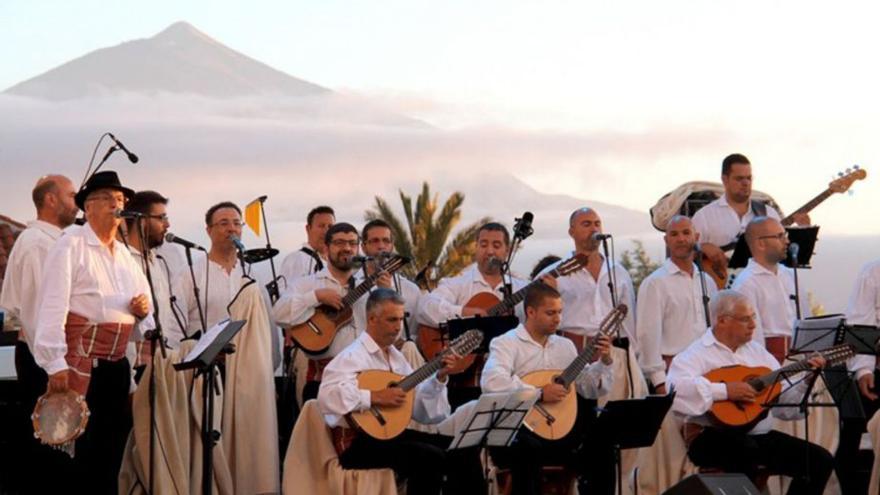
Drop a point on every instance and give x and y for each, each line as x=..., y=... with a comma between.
x=120, y=213
x=169, y=237
x=361, y=259
x=496, y=262
x=523, y=226
x=600, y=237
x=131, y=156
x=793, y=250
x=238, y=244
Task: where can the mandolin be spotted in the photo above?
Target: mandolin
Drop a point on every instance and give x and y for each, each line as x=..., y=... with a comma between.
x=766, y=382
x=316, y=334
x=385, y=422
x=433, y=340
x=553, y=420
x=840, y=185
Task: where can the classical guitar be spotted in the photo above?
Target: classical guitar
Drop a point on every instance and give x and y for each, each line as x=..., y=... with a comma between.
x=316, y=334
x=554, y=420
x=386, y=422
x=767, y=383
x=840, y=185
x=431, y=340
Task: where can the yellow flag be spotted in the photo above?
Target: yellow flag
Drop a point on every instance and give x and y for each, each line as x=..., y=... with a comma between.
x=252, y=216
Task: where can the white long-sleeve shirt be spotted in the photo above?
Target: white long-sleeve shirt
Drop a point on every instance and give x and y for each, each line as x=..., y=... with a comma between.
x=24, y=272
x=695, y=394
x=298, y=302
x=863, y=308
x=339, y=393
x=670, y=316
x=299, y=264
x=449, y=298
x=515, y=354
x=718, y=223
x=407, y=289
x=770, y=294
x=81, y=276
x=586, y=301
x=222, y=288
x=161, y=272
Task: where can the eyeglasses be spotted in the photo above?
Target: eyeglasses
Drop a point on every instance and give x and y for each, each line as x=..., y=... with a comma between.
x=226, y=223
x=342, y=243
x=745, y=320
x=379, y=240
x=780, y=236
x=162, y=218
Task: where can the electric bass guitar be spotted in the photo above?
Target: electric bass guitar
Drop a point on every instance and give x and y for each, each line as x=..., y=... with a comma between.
x=554, y=420
x=767, y=383
x=386, y=422
x=840, y=185
x=316, y=334
x=431, y=340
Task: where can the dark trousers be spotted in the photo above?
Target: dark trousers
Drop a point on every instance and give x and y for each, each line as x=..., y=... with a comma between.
x=422, y=459
x=310, y=390
x=585, y=450
x=853, y=482
x=99, y=450
x=32, y=382
x=731, y=450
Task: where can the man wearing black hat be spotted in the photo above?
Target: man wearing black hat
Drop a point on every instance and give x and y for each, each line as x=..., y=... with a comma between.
x=93, y=298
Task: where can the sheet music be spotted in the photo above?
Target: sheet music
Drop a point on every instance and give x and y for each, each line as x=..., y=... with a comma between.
x=502, y=412
x=206, y=340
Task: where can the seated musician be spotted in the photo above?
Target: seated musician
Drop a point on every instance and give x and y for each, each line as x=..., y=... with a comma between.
x=533, y=346
x=741, y=450
x=450, y=299
x=419, y=457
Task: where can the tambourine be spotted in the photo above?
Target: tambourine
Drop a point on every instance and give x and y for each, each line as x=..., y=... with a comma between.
x=59, y=419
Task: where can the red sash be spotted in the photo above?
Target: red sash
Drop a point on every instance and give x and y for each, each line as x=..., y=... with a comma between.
x=87, y=342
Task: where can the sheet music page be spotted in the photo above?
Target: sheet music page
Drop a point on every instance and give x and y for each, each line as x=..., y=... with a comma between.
x=206, y=340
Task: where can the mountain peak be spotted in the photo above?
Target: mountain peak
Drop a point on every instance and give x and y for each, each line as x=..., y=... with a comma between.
x=181, y=32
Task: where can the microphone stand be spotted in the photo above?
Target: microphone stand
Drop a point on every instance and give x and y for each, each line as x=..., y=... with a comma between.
x=192, y=275
x=703, y=289
x=520, y=233
x=792, y=254
x=621, y=342
x=272, y=286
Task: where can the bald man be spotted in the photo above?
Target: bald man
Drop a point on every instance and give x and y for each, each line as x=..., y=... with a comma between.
x=769, y=286
x=53, y=198
x=671, y=313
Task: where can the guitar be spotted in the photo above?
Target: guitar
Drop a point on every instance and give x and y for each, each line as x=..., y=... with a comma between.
x=431, y=340
x=765, y=382
x=386, y=422
x=555, y=420
x=316, y=334
x=839, y=185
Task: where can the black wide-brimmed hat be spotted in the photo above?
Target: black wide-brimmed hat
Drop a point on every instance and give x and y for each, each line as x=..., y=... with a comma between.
x=101, y=180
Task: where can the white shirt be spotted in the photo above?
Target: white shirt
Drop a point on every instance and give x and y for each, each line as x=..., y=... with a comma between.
x=586, y=301
x=298, y=302
x=299, y=264
x=670, y=316
x=449, y=298
x=24, y=272
x=770, y=295
x=222, y=288
x=339, y=394
x=718, y=223
x=515, y=354
x=695, y=394
x=407, y=289
x=863, y=308
x=160, y=271
x=81, y=276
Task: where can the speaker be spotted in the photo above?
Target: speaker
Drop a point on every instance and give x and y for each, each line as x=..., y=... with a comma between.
x=714, y=484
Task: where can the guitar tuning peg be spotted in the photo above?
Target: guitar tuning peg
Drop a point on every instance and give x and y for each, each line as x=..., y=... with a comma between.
x=848, y=170
x=850, y=192
x=840, y=174
x=856, y=167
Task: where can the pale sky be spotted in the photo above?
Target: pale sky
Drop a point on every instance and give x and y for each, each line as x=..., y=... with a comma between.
x=793, y=85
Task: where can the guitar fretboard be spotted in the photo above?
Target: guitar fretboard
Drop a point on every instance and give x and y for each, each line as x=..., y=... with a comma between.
x=807, y=207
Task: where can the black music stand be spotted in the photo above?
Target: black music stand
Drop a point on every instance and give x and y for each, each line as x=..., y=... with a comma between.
x=495, y=419
x=204, y=358
x=805, y=237
x=491, y=326
x=632, y=424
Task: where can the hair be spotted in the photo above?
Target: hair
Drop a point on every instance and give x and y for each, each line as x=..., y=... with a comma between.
x=319, y=210
x=724, y=301
x=44, y=186
x=542, y=264
x=731, y=160
x=677, y=218
x=536, y=293
x=577, y=212
x=337, y=228
x=372, y=224
x=381, y=296
x=495, y=227
x=142, y=202
x=209, y=215
x=753, y=225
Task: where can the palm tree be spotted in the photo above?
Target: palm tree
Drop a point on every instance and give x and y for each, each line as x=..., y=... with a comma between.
x=424, y=239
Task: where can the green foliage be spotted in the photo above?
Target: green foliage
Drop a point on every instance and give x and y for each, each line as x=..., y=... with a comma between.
x=424, y=232
x=638, y=264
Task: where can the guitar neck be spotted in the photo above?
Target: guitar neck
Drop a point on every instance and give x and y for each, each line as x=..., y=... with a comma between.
x=412, y=380
x=368, y=283
x=808, y=207
x=773, y=376
x=517, y=297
